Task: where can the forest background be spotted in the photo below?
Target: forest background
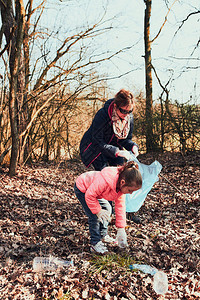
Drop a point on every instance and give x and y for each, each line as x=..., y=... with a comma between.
x=55, y=78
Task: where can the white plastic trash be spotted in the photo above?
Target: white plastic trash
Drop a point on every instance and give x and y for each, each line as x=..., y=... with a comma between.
x=50, y=263
x=160, y=283
x=149, y=177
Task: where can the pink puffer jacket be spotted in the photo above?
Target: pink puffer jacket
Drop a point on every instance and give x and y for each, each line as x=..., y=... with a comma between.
x=102, y=184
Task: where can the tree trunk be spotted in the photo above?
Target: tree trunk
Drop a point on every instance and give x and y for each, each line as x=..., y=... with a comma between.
x=148, y=71
x=162, y=125
x=25, y=114
x=9, y=21
x=13, y=123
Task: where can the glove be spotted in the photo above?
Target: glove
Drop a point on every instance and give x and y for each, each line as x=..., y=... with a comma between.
x=124, y=153
x=121, y=238
x=135, y=150
x=103, y=216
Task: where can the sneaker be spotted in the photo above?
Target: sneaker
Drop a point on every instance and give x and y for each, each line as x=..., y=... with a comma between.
x=109, y=239
x=99, y=248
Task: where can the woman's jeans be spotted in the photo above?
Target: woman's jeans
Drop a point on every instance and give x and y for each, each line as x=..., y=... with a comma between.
x=96, y=228
x=103, y=161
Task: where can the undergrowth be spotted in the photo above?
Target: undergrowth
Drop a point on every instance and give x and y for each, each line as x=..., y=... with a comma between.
x=111, y=262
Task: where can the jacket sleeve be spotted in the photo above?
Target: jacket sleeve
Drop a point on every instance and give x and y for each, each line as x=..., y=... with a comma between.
x=94, y=192
x=120, y=212
x=99, y=125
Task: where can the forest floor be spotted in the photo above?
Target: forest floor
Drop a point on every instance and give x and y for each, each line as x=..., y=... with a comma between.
x=41, y=216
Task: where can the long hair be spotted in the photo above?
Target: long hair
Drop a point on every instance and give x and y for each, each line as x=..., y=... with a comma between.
x=130, y=173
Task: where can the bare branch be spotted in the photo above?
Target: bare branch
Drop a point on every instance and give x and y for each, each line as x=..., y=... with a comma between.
x=75, y=67
x=197, y=45
x=90, y=32
x=38, y=111
x=163, y=22
x=159, y=81
x=182, y=23
x=42, y=6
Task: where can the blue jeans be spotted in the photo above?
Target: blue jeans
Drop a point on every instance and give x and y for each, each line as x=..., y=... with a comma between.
x=103, y=161
x=96, y=228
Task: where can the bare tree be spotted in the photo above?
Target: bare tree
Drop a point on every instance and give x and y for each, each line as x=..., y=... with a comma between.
x=14, y=23
x=151, y=143
x=36, y=84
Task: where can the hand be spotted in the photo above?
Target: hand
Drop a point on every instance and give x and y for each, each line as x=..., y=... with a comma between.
x=103, y=216
x=135, y=150
x=122, y=238
x=124, y=153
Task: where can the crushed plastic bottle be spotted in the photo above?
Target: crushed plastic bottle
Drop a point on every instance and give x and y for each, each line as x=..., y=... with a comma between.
x=50, y=263
x=160, y=280
x=144, y=268
x=160, y=283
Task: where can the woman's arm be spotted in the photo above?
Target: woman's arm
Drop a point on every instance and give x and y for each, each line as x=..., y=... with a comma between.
x=100, y=125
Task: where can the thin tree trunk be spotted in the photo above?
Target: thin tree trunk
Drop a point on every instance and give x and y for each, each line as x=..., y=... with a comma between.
x=13, y=123
x=162, y=124
x=151, y=143
x=24, y=140
x=148, y=69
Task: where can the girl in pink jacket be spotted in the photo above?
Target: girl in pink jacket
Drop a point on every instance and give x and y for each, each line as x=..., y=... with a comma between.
x=94, y=190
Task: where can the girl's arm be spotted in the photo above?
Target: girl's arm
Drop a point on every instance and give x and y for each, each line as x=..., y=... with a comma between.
x=120, y=212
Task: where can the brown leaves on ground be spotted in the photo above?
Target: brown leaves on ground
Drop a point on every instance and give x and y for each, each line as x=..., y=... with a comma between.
x=41, y=216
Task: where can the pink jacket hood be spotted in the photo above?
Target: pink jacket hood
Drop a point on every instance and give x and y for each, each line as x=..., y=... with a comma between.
x=102, y=184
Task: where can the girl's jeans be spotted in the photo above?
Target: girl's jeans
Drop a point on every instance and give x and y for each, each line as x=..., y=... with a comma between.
x=96, y=228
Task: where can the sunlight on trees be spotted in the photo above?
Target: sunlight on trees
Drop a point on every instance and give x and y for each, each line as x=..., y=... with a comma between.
x=52, y=85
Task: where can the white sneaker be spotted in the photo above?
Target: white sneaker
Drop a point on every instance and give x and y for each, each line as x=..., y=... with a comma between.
x=109, y=239
x=99, y=248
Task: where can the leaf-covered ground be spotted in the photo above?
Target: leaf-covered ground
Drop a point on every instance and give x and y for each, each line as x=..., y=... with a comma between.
x=41, y=216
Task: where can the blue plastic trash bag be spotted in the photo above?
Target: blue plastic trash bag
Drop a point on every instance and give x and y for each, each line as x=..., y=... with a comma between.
x=149, y=177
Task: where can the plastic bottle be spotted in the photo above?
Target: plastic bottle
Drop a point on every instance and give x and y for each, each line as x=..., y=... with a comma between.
x=144, y=268
x=160, y=283
x=49, y=263
x=160, y=280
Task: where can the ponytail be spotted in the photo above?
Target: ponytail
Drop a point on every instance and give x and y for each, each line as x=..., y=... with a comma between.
x=130, y=173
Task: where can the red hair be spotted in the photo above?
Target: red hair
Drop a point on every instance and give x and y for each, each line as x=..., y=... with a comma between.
x=123, y=98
